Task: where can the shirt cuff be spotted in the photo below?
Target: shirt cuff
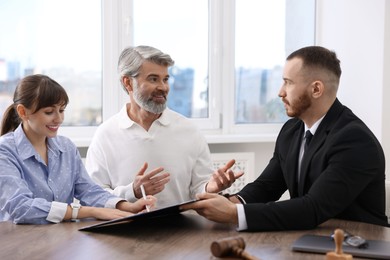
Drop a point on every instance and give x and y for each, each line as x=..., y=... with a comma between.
x=129, y=195
x=126, y=192
x=205, y=187
x=57, y=212
x=242, y=224
x=241, y=199
x=111, y=203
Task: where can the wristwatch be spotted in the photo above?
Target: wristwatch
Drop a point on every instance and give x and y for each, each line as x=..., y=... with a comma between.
x=352, y=240
x=228, y=195
x=75, y=210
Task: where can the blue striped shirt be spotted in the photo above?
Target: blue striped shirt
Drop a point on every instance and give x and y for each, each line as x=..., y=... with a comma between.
x=35, y=193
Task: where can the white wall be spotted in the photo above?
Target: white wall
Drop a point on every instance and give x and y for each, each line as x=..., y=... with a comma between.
x=355, y=30
x=359, y=32
x=263, y=152
x=386, y=90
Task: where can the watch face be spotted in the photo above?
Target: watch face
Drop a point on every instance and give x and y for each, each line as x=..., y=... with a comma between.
x=356, y=241
x=351, y=240
x=75, y=206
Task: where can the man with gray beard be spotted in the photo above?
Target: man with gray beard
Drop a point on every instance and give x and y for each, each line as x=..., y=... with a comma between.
x=145, y=133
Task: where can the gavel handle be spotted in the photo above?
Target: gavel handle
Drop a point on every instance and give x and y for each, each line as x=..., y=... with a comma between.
x=243, y=254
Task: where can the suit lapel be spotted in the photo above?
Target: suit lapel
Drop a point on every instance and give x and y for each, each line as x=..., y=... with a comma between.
x=317, y=141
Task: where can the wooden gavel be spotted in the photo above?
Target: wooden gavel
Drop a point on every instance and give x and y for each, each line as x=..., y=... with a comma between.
x=233, y=246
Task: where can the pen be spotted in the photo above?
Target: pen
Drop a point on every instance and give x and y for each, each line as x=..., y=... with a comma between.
x=144, y=195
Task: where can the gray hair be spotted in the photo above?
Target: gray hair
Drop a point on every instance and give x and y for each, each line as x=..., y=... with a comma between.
x=132, y=58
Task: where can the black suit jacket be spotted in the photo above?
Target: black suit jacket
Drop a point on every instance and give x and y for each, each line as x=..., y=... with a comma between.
x=342, y=176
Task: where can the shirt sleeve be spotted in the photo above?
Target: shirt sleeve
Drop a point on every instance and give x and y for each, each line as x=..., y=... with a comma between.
x=96, y=166
x=97, y=169
x=111, y=203
x=89, y=193
x=17, y=202
x=126, y=192
x=57, y=212
x=203, y=168
x=242, y=224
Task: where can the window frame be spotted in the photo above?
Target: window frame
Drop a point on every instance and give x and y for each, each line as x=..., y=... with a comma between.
x=224, y=67
x=117, y=24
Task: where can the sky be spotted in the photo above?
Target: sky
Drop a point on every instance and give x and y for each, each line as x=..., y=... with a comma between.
x=36, y=32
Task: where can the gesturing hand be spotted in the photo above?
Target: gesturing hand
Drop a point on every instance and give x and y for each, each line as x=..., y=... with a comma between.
x=223, y=178
x=154, y=181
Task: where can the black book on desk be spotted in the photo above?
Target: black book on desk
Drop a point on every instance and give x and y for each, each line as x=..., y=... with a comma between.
x=158, y=213
x=376, y=249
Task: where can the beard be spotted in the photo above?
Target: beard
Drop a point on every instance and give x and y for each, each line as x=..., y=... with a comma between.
x=147, y=103
x=298, y=106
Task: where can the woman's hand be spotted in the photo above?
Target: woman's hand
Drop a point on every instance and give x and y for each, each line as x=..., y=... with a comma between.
x=98, y=213
x=138, y=206
x=109, y=214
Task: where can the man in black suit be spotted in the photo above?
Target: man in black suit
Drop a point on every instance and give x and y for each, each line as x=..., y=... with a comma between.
x=340, y=173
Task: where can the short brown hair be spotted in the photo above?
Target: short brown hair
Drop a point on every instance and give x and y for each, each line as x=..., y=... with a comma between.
x=318, y=57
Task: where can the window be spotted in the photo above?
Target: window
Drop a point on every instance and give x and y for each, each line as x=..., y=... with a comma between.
x=228, y=56
x=53, y=37
x=266, y=32
x=259, y=58
x=182, y=32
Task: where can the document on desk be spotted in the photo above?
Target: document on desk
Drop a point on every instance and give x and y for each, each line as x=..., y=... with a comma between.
x=167, y=211
x=376, y=249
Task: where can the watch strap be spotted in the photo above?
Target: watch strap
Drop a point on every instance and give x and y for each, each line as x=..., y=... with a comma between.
x=75, y=210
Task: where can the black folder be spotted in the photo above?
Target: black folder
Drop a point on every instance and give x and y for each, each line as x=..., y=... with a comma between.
x=376, y=249
x=170, y=210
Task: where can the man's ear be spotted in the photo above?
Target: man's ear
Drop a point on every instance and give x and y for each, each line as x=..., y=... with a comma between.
x=317, y=89
x=21, y=110
x=127, y=83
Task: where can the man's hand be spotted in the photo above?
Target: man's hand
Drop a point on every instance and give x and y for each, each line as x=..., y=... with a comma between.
x=152, y=182
x=223, y=178
x=214, y=207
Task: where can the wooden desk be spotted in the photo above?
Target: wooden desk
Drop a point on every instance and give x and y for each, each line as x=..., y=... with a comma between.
x=187, y=236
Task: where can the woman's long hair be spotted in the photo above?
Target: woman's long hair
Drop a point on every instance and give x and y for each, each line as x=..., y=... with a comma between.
x=34, y=92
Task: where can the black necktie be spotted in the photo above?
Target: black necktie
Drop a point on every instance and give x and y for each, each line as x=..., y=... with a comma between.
x=308, y=137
